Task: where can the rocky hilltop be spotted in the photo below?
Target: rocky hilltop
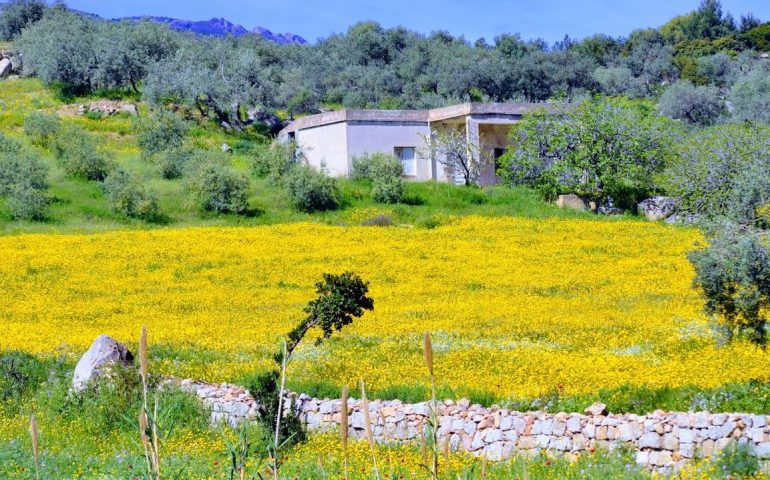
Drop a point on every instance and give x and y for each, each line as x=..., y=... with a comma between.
x=221, y=27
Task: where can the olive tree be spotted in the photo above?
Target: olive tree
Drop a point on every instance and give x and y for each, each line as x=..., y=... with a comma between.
x=700, y=105
x=61, y=50
x=750, y=95
x=722, y=172
x=15, y=15
x=733, y=273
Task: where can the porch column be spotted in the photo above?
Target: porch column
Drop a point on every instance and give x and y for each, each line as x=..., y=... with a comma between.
x=473, y=140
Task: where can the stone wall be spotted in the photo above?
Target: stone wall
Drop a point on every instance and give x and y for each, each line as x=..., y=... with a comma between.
x=663, y=441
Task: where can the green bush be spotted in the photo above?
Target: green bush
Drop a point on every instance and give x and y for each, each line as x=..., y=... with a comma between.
x=20, y=375
x=7, y=145
x=386, y=174
x=79, y=155
x=737, y=461
x=28, y=203
x=21, y=169
x=41, y=128
x=163, y=131
x=312, y=191
x=23, y=180
x=275, y=162
x=129, y=197
x=220, y=189
x=174, y=162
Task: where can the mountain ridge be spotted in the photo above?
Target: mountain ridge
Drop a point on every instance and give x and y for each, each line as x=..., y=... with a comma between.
x=220, y=27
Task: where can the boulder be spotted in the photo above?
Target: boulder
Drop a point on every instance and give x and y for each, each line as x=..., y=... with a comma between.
x=226, y=148
x=596, y=409
x=130, y=109
x=5, y=67
x=575, y=202
x=657, y=208
x=609, y=211
x=104, y=352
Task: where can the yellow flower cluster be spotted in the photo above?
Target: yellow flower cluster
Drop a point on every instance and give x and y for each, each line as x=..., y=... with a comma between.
x=517, y=307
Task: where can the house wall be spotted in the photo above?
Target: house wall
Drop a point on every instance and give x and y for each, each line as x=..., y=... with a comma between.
x=383, y=137
x=327, y=145
x=492, y=136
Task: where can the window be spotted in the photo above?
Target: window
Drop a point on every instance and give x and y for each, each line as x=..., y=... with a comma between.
x=408, y=160
x=499, y=152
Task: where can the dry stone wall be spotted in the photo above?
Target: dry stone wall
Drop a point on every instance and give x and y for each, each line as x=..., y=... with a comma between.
x=663, y=441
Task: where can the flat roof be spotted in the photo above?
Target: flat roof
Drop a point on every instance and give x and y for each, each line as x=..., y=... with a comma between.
x=422, y=116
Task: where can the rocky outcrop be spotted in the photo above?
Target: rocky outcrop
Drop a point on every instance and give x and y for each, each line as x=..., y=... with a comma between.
x=657, y=208
x=108, y=108
x=575, y=202
x=104, y=353
x=10, y=64
x=663, y=441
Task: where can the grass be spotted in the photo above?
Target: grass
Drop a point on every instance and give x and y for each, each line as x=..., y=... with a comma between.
x=81, y=206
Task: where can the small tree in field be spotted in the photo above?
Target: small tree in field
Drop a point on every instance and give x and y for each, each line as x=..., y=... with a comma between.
x=451, y=149
x=340, y=299
x=733, y=273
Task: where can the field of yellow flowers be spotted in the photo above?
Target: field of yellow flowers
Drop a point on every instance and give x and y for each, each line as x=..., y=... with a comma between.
x=517, y=307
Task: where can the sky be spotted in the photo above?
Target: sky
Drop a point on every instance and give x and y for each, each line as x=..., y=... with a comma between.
x=474, y=19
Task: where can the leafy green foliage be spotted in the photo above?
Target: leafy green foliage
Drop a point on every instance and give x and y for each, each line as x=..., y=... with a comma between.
x=276, y=162
x=312, y=191
x=734, y=274
x=79, y=155
x=15, y=15
x=174, y=162
x=41, y=128
x=386, y=174
x=603, y=149
x=719, y=172
x=163, y=131
x=738, y=461
x=750, y=95
x=23, y=181
x=220, y=189
x=697, y=105
x=129, y=197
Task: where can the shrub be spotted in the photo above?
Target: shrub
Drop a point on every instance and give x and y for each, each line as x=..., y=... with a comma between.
x=174, y=162
x=380, y=220
x=79, y=156
x=218, y=188
x=312, y=191
x=163, y=131
x=276, y=162
x=23, y=179
x=386, y=173
x=21, y=169
x=733, y=273
x=28, y=203
x=129, y=197
x=41, y=127
x=7, y=145
x=737, y=461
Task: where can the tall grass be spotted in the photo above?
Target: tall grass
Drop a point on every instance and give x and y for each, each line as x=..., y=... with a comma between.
x=35, y=437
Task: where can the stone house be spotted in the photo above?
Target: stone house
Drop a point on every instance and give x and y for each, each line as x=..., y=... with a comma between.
x=335, y=138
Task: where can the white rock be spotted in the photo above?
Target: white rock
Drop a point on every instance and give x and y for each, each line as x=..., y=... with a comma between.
x=649, y=440
x=104, y=352
x=5, y=67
